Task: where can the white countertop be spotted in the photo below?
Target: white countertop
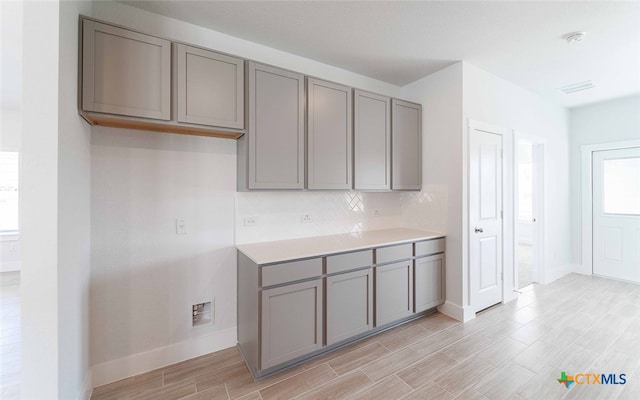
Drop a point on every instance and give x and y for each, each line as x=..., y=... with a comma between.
x=316, y=246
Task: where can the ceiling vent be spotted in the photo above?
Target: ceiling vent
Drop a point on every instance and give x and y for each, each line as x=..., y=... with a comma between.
x=573, y=37
x=576, y=87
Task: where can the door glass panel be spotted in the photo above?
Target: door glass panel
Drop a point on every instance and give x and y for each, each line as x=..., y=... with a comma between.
x=525, y=181
x=621, y=186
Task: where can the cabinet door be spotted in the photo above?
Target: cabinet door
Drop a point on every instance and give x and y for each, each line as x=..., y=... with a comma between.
x=210, y=88
x=276, y=128
x=329, y=135
x=394, y=292
x=406, y=145
x=291, y=322
x=372, y=141
x=349, y=305
x=125, y=72
x=429, y=282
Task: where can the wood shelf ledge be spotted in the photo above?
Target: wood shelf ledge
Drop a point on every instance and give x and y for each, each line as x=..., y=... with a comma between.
x=169, y=127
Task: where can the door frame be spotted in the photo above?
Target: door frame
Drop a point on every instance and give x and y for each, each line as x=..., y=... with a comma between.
x=507, y=209
x=586, y=168
x=541, y=161
x=586, y=171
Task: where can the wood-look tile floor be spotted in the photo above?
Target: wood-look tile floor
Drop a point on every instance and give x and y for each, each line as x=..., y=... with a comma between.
x=10, y=335
x=513, y=351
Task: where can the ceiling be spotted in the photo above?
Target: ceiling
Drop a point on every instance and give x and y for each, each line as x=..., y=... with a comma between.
x=400, y=42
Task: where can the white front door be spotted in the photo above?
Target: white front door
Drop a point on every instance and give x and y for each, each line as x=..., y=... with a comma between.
x=616, y=213
x=485, y=219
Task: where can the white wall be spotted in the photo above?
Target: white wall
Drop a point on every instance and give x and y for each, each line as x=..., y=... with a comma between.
x=54, y=207
x=39, y=203
x=450, y=98
x=611, y=121
x=438, y=206
x=144, y=277
x=74, y=202
x=493, y=100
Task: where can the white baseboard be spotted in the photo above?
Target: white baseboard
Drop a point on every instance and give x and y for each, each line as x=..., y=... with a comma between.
x=457, y=312
x=135, y=364
x=87, y=390
x=557, y=273
x=581, y=269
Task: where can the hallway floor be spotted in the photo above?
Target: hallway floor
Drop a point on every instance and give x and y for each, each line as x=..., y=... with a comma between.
x=578, y=324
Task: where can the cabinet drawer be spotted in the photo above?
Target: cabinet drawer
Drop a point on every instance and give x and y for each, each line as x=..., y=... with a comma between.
x=394, y=253
x=291, y=271
x=429, y=247
x=349, y=261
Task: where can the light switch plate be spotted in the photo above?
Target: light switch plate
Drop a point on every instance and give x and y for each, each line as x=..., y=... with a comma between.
x=181, y=227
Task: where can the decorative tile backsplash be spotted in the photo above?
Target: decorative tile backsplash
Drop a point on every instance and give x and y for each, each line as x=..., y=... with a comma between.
x=266, y=216
x=426, y=209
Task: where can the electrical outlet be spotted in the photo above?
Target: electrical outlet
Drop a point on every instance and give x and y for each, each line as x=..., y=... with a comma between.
x=202, y=313
x=181, y=227
x=250, y=221
x=305, y=219
x=377, y=213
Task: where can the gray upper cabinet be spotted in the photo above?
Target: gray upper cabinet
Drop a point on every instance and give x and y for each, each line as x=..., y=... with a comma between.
x=406, y=145
x=291, y=322
x=210, y=88
x=125, y=72
x=329, y=135
x=271, y=154
x=372, y=141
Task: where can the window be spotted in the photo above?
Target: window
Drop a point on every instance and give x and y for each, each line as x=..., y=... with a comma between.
x=621, y=186
x=9, y=183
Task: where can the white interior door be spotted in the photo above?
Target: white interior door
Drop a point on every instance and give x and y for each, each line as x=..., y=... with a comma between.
x=485, y=219
x=616, y=213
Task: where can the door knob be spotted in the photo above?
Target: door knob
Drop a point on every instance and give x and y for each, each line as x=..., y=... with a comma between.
x=478, y=230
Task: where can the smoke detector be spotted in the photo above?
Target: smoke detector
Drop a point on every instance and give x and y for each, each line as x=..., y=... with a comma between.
x=576, y=87
x=573, y=37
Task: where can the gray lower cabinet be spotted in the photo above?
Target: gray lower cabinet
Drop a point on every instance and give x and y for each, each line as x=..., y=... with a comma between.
x=429, y=282
x=210, y=88
x=349, y=305
x=291, y=322
x=299, y=308
x=371, y=141
x=271, y=154
x=125, y=72
x=329, y=135
x=406, y=133
x=394, y=292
